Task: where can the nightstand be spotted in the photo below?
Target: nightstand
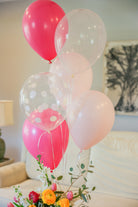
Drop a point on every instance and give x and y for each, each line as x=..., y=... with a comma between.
x=6, y=161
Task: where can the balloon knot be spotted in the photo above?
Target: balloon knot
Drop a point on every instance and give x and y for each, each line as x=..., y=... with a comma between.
x=50, y=61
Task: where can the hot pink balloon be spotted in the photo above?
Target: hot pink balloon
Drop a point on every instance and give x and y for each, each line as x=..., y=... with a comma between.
x=90, y=119
x=39, y=24
x=51, y=146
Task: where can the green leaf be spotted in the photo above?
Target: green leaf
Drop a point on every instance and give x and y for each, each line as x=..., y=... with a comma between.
x=60, y=177
x=71, y=169
x=80, y=192
x=57, y=199
x=49, y=182
x=91, y=162
x=82, y=166
x=40, y=204
x=71, y=180
x=59, y=192
x=70, y=173
x=29, y=201
x=89, y=196
x=91, y=165
x=52, y=176
x=93, y=188
x=16, y=204
x=90, y=171
x=84, y=186
x=39, y=157
x=83, y=171
x=83, y=197
x=85, y=179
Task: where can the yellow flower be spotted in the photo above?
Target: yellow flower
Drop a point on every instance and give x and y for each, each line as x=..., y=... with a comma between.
x=32, y=205
x=48, y=197
x=63, y=202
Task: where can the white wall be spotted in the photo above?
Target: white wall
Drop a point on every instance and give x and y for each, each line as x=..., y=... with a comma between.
x=18, y=61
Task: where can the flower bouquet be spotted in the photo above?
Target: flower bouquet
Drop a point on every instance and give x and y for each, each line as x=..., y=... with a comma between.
x=50, y=196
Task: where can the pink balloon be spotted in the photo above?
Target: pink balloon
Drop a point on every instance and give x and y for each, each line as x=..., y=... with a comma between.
x=39, y=24
x=51, y=146
x=75, y=71
x=90, y=119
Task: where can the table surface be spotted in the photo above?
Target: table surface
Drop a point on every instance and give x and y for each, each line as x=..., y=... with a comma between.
x=6, y=161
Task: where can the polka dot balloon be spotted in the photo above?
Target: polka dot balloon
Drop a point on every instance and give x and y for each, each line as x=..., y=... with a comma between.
x=41, y=100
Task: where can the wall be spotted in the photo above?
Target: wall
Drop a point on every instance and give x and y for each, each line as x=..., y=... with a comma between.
x=18, y=61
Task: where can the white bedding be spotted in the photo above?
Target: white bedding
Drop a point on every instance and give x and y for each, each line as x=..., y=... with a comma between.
x=106, y=200
x=115, y=165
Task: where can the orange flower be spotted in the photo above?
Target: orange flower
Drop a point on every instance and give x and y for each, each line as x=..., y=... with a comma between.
x=63, y=202
x=32, y=206
x=48, y=197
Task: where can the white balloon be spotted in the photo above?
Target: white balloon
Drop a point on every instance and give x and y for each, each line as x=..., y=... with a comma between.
x=86, y=34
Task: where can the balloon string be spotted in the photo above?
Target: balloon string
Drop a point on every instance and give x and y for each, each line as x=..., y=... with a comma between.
x=52, y=150
x=38, y=145
x=61, y=137
x=69, y=99
x=63, y=147
x=65, y=159
x=79, y=156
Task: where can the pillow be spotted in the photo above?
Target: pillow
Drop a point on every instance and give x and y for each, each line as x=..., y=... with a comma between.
x=70, y=159
x=116, y=165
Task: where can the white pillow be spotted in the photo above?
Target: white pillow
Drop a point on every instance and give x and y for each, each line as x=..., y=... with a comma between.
x=116, y=165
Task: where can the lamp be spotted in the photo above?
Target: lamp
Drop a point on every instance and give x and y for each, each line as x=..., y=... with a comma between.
x=6, y=118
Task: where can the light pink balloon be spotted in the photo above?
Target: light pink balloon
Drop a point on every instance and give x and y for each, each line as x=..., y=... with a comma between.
x=90, y=119
x=51, y=146
x=75, y=71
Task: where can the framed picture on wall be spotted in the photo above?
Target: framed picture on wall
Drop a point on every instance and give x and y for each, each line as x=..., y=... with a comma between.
x=121, y=76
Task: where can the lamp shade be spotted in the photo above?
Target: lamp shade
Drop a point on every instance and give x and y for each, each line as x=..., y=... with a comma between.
x=6, y=112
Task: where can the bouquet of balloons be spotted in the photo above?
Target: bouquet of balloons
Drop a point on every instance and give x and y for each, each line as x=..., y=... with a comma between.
x=60, y=102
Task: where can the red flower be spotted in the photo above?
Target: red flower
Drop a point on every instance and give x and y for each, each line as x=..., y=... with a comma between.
x=34, y=196
x=10, y=205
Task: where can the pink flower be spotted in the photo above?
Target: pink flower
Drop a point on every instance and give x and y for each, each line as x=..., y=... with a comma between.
x=70, y=195
x=10, y=205
x=54, y=187
x=16, y=200
x=34, y=196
